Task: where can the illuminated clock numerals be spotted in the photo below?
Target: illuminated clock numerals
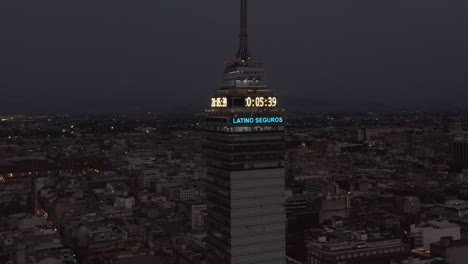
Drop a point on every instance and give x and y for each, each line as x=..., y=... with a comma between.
x=248, y=102
x=261, y=101
x=272, y=101
x=219, y=102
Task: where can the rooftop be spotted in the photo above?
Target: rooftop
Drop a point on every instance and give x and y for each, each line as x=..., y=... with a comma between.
x=438, y=224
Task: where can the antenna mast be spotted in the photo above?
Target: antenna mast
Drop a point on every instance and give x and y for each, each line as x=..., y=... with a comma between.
x=243, y=49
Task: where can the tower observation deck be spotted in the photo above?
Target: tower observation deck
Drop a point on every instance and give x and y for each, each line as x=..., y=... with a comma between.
x=245, y=160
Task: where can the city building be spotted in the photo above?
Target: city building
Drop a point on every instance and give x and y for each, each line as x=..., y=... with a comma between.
x=198, y=217
x=380, y=218
x=331, y=206
x=352, y=246
x=409, y=205
x=321, y=187
x=460, y=151
x=245, y=159
x=147, y=177
x=451, y=209
x=187, y=194
x=412, y=260
x=452, y=251
x=431, y=231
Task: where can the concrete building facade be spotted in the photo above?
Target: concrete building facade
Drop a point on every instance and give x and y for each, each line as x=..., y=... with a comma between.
x=245, y=160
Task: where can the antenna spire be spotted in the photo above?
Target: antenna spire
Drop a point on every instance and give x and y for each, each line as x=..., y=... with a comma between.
x=244, y=52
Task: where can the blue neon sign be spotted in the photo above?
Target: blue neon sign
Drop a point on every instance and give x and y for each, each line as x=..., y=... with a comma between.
x=257, y=120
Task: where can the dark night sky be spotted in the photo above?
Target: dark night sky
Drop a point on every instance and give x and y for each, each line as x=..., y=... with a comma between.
x=161, y=55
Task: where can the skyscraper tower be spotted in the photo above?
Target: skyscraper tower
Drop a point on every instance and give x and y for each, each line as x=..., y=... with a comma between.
x=245, y=159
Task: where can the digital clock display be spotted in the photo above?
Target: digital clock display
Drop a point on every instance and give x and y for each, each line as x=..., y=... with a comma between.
x=219, y=102
x=261, y=101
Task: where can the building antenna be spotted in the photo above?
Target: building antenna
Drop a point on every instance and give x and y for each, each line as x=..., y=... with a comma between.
x=243, y=53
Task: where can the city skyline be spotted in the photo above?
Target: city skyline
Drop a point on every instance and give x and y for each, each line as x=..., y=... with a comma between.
x=130, y=57
x=337, y=132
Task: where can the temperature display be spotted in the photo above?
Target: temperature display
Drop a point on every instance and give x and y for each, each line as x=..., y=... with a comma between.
x=219, y=102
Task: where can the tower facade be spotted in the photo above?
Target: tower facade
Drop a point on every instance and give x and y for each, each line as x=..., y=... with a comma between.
x=245, y=160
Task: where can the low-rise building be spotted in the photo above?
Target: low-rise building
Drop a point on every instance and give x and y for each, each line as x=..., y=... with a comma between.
x=431, y=231
x=345, y=246
x=187, y=194
x=453, y=251
x=198, y=217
